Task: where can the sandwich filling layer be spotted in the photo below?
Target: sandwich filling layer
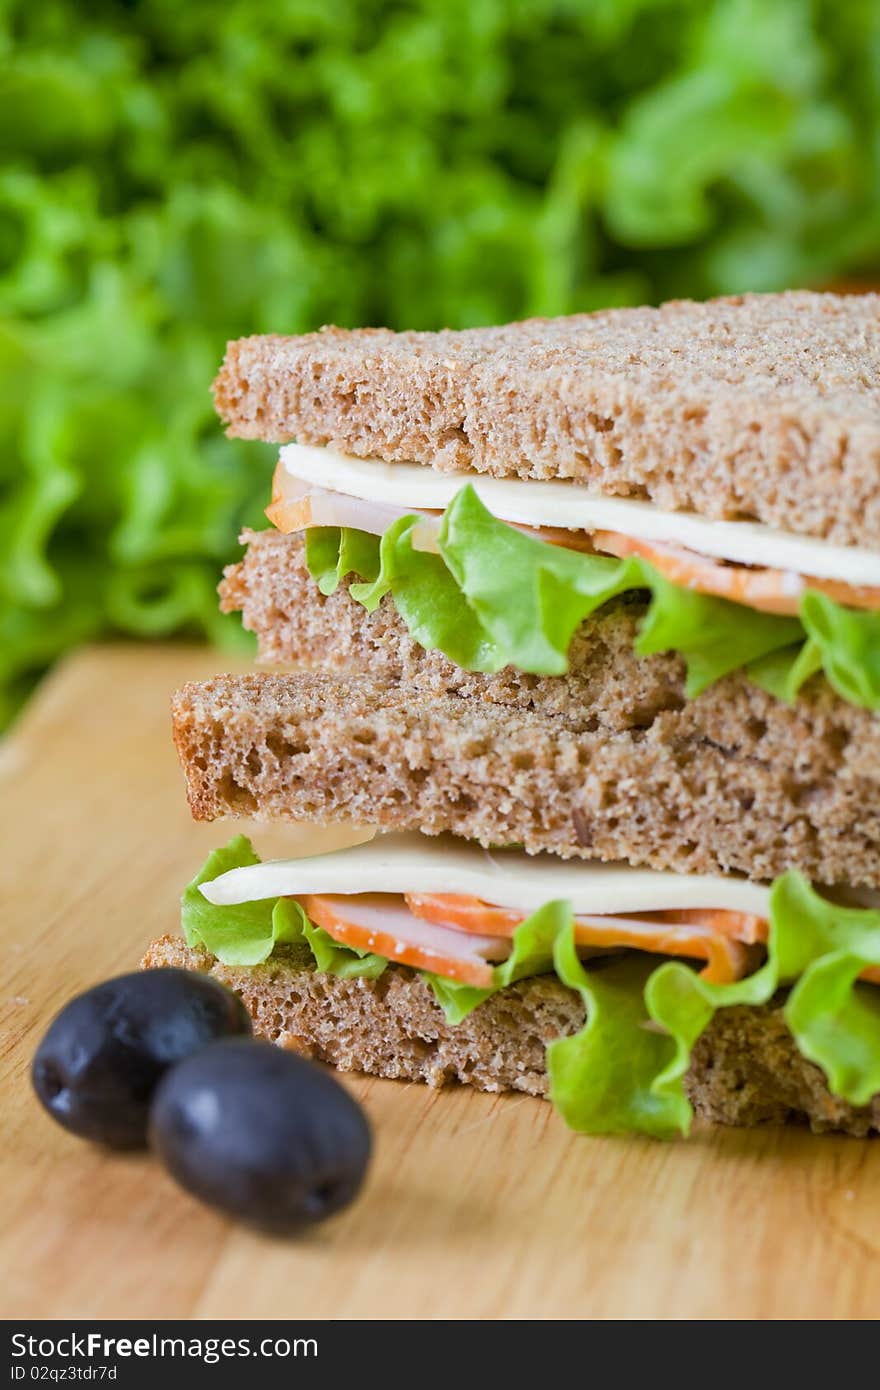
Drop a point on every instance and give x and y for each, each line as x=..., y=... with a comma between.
x=488, y=589
x=724, y=943
x=569, y=506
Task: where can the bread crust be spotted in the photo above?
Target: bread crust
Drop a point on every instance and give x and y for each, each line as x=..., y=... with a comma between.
x=764, y=407
x=746, y=1069
x=732, y=781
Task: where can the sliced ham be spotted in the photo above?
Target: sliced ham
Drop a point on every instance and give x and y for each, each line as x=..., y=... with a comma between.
x=460, y=937
x=725, y=940
x=383, y=923
x=769, y=590
x=457, y=936
x=296, y=506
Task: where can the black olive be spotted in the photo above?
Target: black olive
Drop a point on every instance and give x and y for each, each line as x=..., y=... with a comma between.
x=98, y=1065
x=261, y=1133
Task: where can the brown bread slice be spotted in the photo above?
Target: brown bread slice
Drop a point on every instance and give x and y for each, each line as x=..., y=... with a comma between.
x=707, y=788
x=746, y=1069
x=759, y=406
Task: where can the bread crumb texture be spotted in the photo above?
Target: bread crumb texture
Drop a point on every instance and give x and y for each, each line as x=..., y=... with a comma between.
x=625, y=769
x=745, y=1069
x=755, y=407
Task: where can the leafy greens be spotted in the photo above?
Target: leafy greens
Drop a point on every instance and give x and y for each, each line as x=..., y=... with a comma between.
x=172, y=176
x=495, y=597
x=624, y=1070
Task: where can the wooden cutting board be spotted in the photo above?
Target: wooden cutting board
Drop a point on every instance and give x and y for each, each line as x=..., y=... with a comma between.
x=477, y=1206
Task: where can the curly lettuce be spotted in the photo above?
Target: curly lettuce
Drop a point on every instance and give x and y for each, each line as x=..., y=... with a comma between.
x=174, y=176
x=248, y=933
x=624, y=1069
x=495, y=597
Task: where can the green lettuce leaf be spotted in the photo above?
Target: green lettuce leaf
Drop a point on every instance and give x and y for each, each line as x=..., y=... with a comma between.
x=713, y=635
x=834, y=1018
x=531, y=953
x=681, y=1005
x=624, y=1070
x=532, y=596
x=603, y=1079
x=455, y=999
x=782, y=673
x=330, y=956
x=495, y=597
x=247, y=933
x=849, y=643
x=844, y=642
x=334, y=552
x=817, y=947
x=428, y=599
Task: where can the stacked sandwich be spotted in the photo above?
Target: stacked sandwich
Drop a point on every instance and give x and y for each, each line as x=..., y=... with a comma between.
x=586, y=620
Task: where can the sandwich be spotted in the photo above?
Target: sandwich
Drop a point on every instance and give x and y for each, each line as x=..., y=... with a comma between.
x=581, y=619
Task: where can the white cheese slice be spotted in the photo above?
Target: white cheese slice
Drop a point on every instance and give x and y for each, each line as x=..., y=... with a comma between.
x=415, y=863
x=571, y=505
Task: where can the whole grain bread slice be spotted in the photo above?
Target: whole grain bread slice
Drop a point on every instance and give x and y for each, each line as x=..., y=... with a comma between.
x=746, y=1069
x=703, y=788
x=759, y=406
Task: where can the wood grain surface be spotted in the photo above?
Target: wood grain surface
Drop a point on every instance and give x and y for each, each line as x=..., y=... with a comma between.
x=477, y=1206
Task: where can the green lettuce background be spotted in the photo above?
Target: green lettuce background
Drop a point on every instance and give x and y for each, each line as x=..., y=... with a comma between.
x=175, y=174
